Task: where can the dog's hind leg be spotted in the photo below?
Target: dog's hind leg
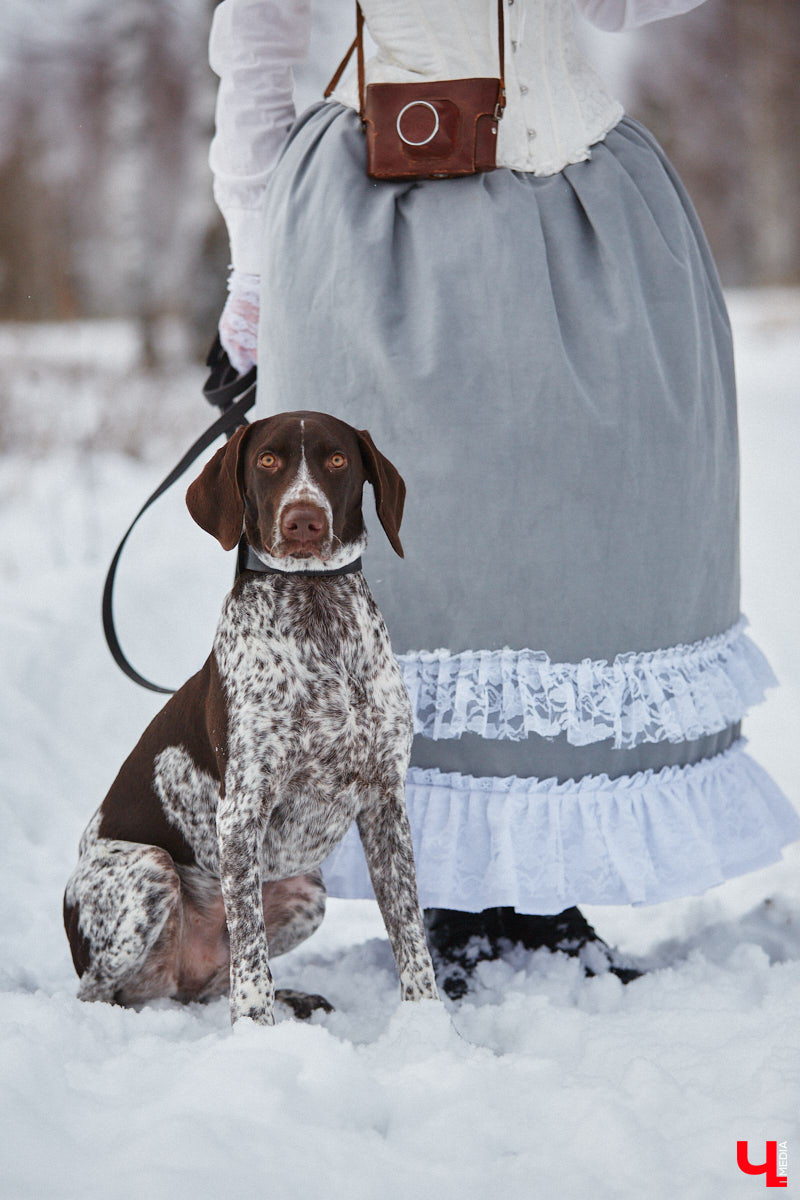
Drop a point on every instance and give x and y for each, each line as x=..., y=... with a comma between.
x=293, y=909
x=120, y=902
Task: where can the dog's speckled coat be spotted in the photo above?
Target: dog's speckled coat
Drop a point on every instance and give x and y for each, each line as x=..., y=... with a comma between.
x=203, y=859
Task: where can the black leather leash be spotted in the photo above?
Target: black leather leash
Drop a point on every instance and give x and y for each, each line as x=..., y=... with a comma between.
x=234, y=395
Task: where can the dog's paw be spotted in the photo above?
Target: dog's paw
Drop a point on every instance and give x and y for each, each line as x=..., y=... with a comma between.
x=301, y=1004
x=262, y=1016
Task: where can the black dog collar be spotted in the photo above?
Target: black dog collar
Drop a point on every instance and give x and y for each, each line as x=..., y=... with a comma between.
x=249, y=561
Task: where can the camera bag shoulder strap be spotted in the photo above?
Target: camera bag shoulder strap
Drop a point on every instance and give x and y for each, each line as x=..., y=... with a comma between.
x=358, y=44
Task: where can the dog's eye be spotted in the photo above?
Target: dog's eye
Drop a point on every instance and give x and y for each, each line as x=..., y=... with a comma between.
x=337, y=461
x=268, y=460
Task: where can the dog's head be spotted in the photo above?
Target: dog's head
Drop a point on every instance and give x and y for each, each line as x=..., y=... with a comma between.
x=293, y=484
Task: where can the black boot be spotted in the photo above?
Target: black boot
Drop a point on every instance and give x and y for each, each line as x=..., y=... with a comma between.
x=458, y=941
x=570, y=933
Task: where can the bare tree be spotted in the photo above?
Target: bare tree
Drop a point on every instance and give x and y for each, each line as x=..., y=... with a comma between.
x=105, y=192
x=720, y=87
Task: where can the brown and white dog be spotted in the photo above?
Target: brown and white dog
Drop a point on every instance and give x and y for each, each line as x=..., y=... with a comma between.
x=203, y=859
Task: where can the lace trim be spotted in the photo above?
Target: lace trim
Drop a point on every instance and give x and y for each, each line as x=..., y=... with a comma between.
x=245, y=286
x=669, y=695
x=542, y=846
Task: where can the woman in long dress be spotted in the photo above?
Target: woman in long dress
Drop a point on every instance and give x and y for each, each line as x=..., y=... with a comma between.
x=545, y=354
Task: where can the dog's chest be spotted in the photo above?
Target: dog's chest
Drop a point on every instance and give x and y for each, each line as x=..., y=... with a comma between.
x=308, y=674
x=318, y=716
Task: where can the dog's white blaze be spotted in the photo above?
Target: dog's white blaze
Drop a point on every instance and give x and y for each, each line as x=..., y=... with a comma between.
x=303, y=488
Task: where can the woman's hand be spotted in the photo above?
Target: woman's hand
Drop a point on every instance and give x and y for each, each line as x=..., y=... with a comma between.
x=238, y=325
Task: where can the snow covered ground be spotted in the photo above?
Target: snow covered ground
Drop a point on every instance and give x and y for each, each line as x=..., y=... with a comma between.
x=541, y=1083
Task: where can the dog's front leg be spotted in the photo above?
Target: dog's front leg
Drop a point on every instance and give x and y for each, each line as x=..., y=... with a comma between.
x=240, y=831
x=386, y=837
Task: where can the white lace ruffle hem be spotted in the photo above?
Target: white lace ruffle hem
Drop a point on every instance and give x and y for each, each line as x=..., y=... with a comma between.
x=671, y=695
x=543, y=846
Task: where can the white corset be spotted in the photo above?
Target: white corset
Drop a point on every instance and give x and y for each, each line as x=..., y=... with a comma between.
x=557, y=106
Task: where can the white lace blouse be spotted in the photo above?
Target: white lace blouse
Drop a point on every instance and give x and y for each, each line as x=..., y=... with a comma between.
x=557, y=105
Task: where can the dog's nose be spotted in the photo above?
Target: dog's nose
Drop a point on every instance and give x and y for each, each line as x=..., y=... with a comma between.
x=303, y=523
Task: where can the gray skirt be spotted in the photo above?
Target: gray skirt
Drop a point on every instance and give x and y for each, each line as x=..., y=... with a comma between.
x=548, y=362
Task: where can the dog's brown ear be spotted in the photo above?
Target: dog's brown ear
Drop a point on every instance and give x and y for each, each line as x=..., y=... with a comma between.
x=216, y=499
x=389, y=488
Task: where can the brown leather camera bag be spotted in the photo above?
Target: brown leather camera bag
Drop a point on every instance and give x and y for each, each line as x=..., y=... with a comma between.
x=432, y=130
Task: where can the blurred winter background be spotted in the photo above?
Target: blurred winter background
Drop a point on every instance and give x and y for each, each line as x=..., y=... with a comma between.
x=112, y=273
x=105, y=201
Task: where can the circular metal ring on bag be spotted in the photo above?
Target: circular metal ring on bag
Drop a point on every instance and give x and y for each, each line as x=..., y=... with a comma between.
x=414, y=104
